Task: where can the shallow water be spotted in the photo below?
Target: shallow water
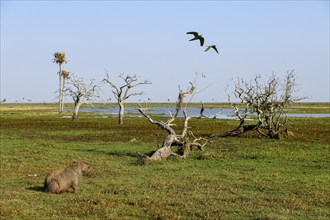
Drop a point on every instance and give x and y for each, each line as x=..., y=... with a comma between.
x=221, y=113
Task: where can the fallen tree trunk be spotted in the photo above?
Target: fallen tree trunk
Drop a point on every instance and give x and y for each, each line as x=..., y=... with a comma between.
x=240, y=129
x=172, y=139
x=184, y=148
x=165, y=151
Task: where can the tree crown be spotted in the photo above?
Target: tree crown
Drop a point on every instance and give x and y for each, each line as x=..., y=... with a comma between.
x=59, y=58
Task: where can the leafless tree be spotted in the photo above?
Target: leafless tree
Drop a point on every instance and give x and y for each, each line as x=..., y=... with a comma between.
x=122, y=93
x=268, y=101
x=202, y=115
x=79, y=91
x=181, y=140
x=181, y=97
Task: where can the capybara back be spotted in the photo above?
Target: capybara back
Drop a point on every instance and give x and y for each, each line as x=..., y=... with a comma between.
x=62, y=179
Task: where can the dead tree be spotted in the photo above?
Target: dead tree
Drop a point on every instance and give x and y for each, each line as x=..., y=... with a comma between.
x=181, y=97
x=202, y=115
x=79, y=91
x=182, y=141
x=268, y=102
x=121, y=93
x=241, y=128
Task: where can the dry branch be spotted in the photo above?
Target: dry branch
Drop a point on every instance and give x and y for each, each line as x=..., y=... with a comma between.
x=172, y=139
x=79, y=91
x=122, y=93
x=268, y=101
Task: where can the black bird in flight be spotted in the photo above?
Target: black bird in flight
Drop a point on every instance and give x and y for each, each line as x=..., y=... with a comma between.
x=213, y=47
x=197, y=37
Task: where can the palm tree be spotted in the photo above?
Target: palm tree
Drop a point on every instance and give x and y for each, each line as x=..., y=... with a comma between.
x=65, y=75
x=59, y=58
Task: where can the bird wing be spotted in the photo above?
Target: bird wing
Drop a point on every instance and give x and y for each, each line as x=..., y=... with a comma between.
x=207, y=48
x=215, y=48
x=193, y=32
x=201, y=39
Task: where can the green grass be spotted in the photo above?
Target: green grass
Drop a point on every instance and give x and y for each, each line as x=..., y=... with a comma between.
x=243, y=177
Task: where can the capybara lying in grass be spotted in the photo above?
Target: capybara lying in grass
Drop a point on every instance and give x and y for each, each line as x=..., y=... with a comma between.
x=61, y=180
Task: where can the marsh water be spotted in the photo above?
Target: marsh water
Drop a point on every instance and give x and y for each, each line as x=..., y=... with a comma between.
x=221, y=113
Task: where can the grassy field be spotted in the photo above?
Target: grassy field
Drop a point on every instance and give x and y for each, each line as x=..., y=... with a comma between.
x=241, y=177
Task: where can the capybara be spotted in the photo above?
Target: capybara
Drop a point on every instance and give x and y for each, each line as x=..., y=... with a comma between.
x=61, y=180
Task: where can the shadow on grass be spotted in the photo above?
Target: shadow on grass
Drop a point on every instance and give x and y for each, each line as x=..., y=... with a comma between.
x=122, y=154
x=111, y=153
x=36, y=188
x=41, y=189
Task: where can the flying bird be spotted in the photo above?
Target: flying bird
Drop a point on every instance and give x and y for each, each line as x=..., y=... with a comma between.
x=213, y=47
x=197, y=37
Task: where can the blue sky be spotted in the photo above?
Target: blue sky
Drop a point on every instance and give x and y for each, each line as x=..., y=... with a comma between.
x=149, y=39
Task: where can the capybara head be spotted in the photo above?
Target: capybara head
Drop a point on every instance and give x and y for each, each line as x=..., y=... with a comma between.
x=81, y=165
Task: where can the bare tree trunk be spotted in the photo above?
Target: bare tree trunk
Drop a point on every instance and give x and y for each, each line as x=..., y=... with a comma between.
x=201, y=113
x=122, y=93
x=171, y=140
x=240, y=129
x=80, y=91
x=76, y=110
x=62, y=94
x=165, y=151
x=61, y=89
x=121, y=112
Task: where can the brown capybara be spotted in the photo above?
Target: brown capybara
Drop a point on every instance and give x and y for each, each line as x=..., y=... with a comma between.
x=61, y=180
